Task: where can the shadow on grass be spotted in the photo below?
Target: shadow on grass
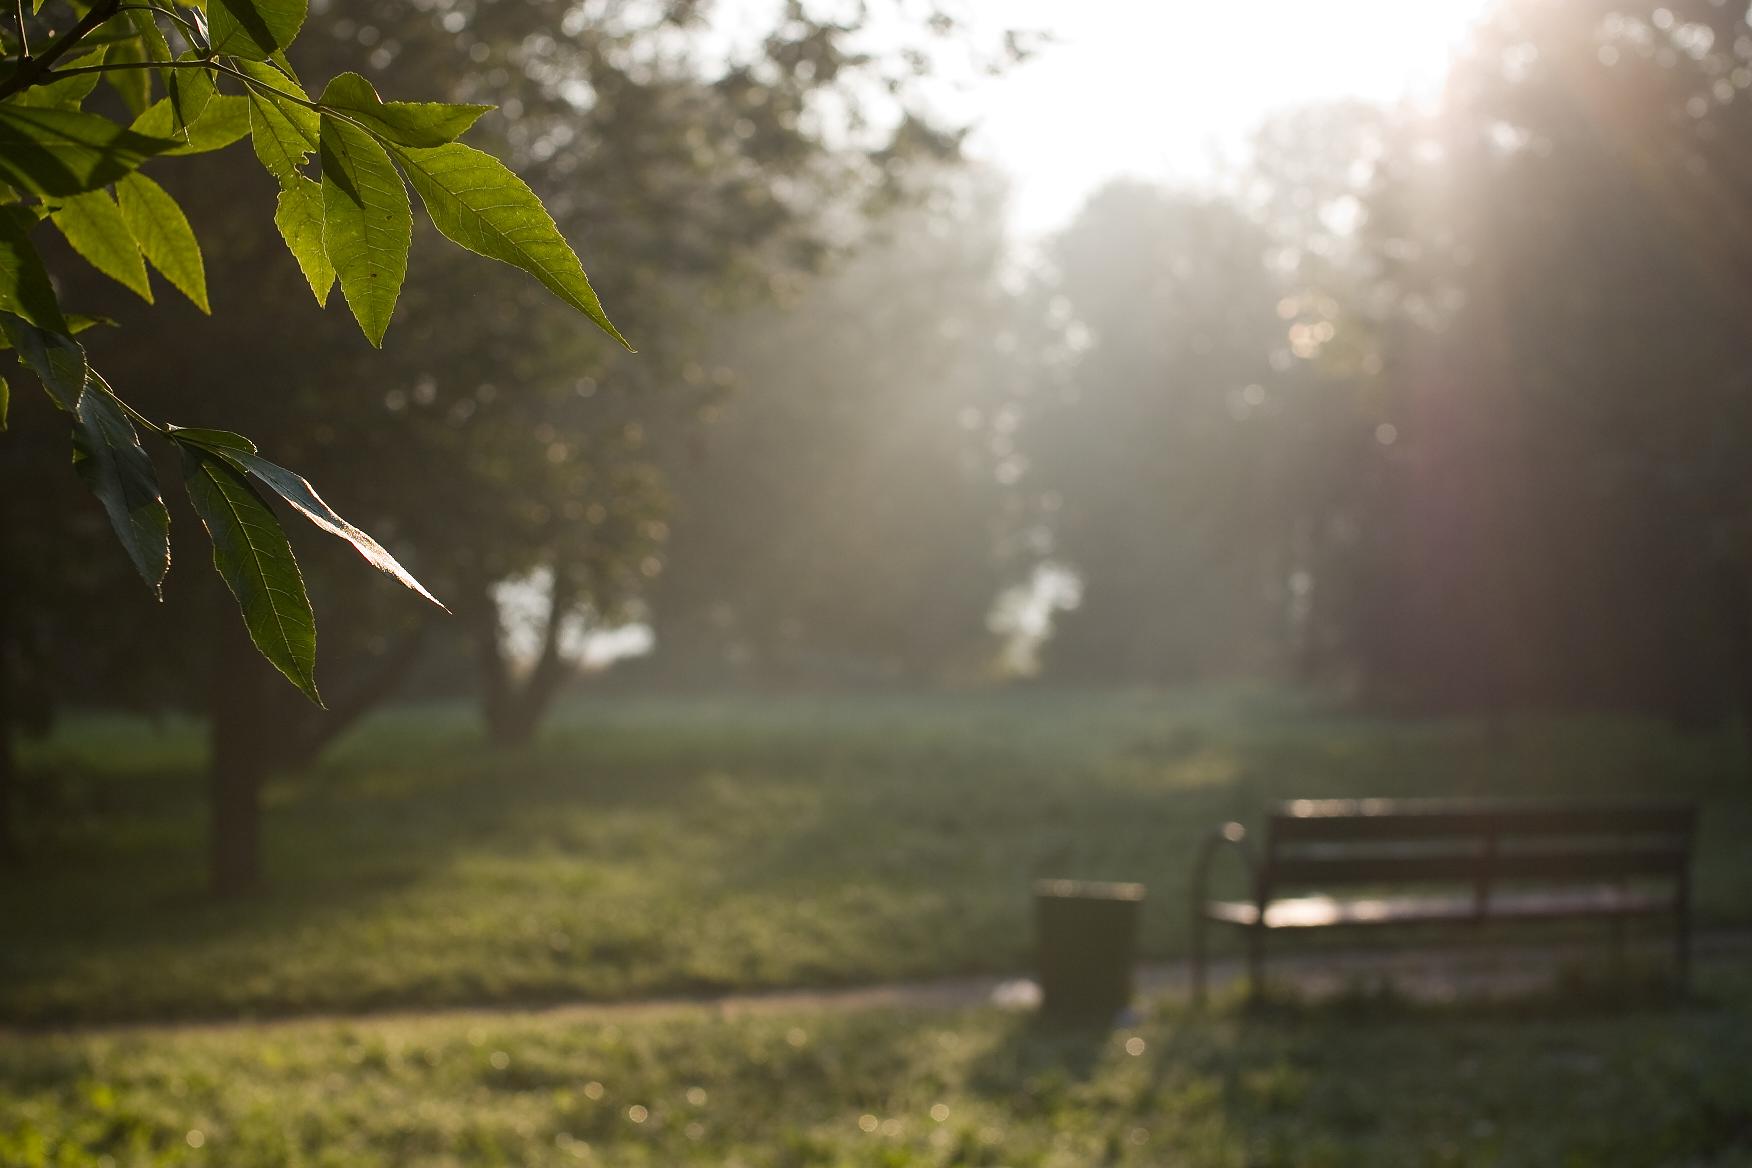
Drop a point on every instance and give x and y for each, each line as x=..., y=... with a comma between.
x=664, y=846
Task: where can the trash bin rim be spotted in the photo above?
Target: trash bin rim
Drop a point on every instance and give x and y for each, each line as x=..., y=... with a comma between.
x=1087, y=890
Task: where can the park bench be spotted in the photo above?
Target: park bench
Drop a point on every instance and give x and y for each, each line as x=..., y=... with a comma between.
x=1442, y=861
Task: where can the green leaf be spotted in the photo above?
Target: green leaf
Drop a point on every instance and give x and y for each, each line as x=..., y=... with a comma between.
x=77, y=322
x=59, y=152
x=200, y=36
x=367, y=223
x=252, y=556
x=108, y=456
x=152, y=41
x=296, y=490
x=476, y=201
x=298, y=215
x=407, y=123
x=164, y=235
x=5, y=403
x=109, y=32
x=57, y=360
x=222, y=440
x=190, y=91
x=254, y=29
x=94, y=227
x=224, y=119
x=134, y=85
x=25, y=290
x=283, y=132
x=67, y=94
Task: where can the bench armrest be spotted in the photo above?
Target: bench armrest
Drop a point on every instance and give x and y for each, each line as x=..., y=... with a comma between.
x=1233, y=836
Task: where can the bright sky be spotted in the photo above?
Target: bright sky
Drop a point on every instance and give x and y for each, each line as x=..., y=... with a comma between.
x=1162, y=89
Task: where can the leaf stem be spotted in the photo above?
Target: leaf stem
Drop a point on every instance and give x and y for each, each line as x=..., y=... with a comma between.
x=212, y=63
x=136, y=415
x=114, y=66
x=34, y=70
x=23, y=36
x=252, y=83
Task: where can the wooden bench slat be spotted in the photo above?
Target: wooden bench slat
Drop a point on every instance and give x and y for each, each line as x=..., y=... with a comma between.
x=1545, y=865
x=1501, y=860
x=1405, y=819
x=1312, y=912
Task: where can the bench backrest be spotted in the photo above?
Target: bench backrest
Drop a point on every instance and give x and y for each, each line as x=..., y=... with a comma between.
x=1391, y=841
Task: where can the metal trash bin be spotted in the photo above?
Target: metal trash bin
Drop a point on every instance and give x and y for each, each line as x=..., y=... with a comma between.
x=1087, y=933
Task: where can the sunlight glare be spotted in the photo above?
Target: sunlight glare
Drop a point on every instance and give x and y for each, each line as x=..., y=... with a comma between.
x=1170, y=90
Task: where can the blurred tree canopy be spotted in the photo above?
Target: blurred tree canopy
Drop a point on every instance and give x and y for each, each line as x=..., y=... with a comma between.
x=1150, y=450
x=1565, y=244
x=1447, y=405
x=497, y=440
x=840, y=518
x=349, y=224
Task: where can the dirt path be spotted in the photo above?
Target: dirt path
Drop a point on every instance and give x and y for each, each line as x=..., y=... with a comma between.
x=1435, y=974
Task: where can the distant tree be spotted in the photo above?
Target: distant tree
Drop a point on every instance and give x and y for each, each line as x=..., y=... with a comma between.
x=1569, y=246
x=840, y=517
x=498, y=442
x=223, y=75
x=1151, y=449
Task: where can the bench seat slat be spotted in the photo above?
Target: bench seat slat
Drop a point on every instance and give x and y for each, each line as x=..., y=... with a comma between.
x=1404, y=819
x=1305, y=912
x=1548, y=865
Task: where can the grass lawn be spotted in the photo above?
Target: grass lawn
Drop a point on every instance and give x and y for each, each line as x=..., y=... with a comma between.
x=1549, y=1083
x=661, y=846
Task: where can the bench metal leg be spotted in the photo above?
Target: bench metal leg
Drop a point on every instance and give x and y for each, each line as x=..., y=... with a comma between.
x=1682, y=931
x=1255, y=961
x=1197, y=959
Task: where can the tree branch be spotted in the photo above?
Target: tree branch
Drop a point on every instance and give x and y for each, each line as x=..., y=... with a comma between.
x=33, y=70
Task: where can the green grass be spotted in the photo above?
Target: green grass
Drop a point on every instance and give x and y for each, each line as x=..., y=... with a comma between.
x=1548, y=1083
x=663, y=846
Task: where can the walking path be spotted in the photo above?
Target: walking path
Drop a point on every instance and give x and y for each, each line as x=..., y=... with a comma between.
x=1435, y=974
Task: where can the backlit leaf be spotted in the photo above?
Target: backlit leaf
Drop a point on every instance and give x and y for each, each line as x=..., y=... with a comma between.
x=407, y=123
x=298, y=215
x=93, y=225
x=190, y=91
x=65, y=94
x=476, y=201
x=134, y=85
x=25, y=290
x=367, y=223
x=164, y=235
x=59, y=152
x=224, y=119
x=283, y=132
x=152, y=41
x=254, y=29
x=252, y=556
x=297, y=491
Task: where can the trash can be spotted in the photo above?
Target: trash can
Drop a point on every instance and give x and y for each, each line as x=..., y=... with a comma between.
x=1087, y=933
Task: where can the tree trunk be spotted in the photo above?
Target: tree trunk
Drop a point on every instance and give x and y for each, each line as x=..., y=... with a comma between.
x=9, y=843
x=513, y=709
x=311, y=730
x=1735, y=598
x=240, y=741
